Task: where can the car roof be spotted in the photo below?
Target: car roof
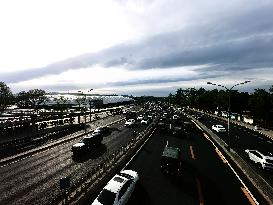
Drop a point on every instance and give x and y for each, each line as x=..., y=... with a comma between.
x=267, y=155
x=79, y=144
x=187, y=122
x=99, y=128
x=89, y=136
x=172, y=152
x=115, y=184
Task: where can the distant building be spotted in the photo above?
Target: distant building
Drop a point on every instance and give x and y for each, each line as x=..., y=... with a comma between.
x=88, y=100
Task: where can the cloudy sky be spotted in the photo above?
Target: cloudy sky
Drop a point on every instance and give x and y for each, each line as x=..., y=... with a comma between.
x=139, y=47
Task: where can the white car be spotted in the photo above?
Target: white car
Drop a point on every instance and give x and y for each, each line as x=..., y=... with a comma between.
x=145, y=121
x=130, y=123
x=140, y=117
x=118, y=190
x=264, y=160
x=218, y=128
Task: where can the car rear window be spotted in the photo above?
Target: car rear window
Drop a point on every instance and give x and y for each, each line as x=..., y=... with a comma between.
x=118, y=179
x=106, y=197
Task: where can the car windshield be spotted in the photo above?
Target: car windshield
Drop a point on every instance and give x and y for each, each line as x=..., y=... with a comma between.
x=106, y=197
x=126, y=175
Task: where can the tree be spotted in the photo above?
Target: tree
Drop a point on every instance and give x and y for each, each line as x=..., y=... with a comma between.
x=260, y=104
x=170, y=98
x=62, y=103
x=22, y=99
x=180, y=97
x=31, y=98
x=271, y=89
x=80, y=100
x=36, y=97
x=6, y=96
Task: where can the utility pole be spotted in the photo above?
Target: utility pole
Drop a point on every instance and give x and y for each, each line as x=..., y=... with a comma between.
x=229, y=94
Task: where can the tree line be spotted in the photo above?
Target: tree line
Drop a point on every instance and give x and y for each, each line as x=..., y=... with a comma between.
x=24, y=99
x=34, y=98
x=258, y=104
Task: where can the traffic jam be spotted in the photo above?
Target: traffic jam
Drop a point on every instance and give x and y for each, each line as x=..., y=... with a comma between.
x=148, y=154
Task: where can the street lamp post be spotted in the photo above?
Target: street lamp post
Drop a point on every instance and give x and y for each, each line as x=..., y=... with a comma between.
x=85, y=94
x=229, y=94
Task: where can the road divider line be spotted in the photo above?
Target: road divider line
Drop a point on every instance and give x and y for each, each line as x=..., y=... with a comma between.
x=197, y=125
x=248, y=196
x=241, y=181
x=221, y=155
x=206, y=136
x=192, y=153
x=200, y=193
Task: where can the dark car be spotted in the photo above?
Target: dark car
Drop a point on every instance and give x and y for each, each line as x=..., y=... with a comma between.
x=161, y=125
x=87, y=143
x=102, y=130
x=171, y=161
x=189, y=127
x=200, y=117
x=177, y=131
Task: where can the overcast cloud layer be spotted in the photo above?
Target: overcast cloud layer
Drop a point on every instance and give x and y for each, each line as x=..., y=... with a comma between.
x=195, y=42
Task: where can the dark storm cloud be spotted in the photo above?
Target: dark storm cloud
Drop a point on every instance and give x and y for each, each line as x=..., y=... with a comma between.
x=241, y=41
x=166, y=80
x=57, y=87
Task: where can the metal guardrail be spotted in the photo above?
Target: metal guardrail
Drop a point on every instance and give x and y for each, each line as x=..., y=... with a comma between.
x=106, y=167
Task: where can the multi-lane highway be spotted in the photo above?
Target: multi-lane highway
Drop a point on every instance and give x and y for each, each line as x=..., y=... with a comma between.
x=207, y=177
x=35, y=179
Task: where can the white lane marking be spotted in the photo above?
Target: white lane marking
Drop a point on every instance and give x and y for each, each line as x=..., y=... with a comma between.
x=241, y=181
x=270, y=142
x=197, y=125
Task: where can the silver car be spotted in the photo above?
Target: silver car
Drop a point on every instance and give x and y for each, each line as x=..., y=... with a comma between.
x=119, y=189
x=264, y=160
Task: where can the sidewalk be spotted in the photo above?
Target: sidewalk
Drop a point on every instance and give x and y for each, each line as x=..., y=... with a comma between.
x=265, y=132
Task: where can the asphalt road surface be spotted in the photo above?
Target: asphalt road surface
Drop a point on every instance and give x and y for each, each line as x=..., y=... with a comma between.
x=242, y=138
x=35, y=179
x=206, y=177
